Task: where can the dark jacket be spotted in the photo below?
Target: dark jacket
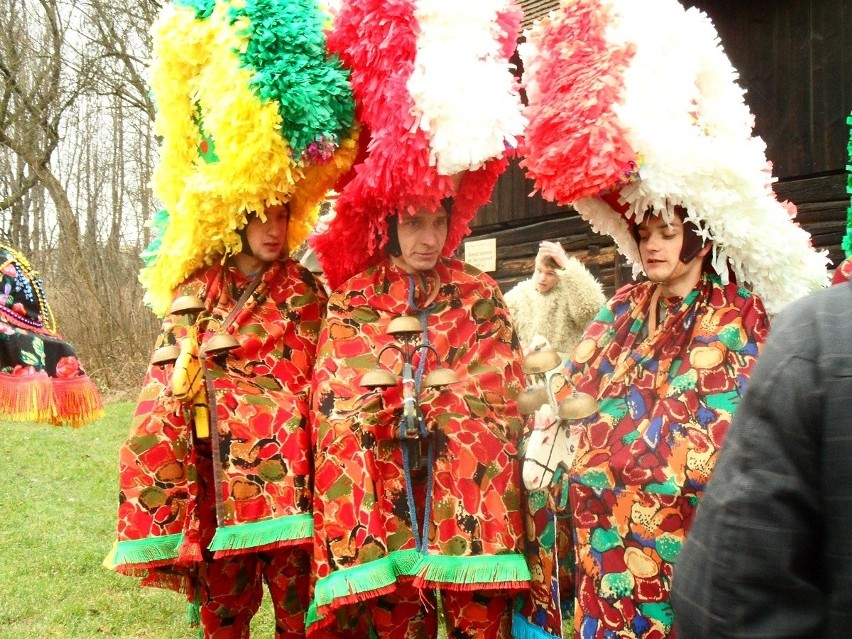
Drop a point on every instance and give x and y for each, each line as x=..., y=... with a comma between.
x=770, y=551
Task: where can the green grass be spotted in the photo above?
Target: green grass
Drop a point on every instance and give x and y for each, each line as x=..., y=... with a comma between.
x=58, y=500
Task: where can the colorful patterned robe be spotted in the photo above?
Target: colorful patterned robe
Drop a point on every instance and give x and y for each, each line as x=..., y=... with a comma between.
x=643, y=461
x=364, y=540
x=261, y=402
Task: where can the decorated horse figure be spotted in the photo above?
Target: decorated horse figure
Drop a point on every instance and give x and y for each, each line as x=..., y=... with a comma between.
x=552, y=441
x=551, y=444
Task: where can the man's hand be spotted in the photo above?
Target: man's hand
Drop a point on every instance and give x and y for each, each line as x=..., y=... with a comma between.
x=555, y=251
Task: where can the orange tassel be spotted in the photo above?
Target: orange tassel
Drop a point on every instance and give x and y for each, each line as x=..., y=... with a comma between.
x=39, y=398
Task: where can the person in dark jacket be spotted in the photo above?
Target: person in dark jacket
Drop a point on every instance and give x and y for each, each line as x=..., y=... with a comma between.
x=770, y=551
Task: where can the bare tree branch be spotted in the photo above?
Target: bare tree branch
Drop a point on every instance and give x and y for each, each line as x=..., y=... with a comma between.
x=20, y=191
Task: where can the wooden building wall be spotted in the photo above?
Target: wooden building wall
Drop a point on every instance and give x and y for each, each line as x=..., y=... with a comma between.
x=795, y=62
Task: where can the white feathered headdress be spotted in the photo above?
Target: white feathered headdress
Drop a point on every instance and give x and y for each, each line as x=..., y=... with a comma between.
x=633, y=106
x=441, y=110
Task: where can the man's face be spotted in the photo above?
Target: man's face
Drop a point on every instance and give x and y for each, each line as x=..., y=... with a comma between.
x=421, y=240
x=659, y=246
x=544, y=277
x=267, y=240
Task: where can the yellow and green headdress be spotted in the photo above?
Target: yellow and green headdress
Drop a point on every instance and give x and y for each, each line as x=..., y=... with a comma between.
x=252, y=111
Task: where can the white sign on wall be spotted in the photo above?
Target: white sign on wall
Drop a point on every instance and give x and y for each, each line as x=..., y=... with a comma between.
x=482, y=254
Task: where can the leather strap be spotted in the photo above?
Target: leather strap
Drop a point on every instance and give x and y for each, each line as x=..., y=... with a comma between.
x=244, y=297
x=210, y=390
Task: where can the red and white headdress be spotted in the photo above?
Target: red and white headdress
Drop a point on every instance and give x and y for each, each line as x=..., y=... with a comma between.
x=439, y=107
x=633, y=106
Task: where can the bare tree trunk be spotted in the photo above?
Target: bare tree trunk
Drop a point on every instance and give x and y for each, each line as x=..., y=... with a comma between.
x=117, y=185
x=63, y=101
x=146, y=199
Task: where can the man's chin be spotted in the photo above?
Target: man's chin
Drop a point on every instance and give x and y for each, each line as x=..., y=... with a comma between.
x=657, y=274
x=426, y=264
x=269, y=256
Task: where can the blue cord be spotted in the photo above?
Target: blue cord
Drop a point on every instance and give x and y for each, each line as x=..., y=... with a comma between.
x=421, y=543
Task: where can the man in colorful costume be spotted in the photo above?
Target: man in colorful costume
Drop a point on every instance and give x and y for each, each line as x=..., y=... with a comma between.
x=41, y=379
x=557, y=302
x=215, y=477
x=668, y=359
x=417, y=488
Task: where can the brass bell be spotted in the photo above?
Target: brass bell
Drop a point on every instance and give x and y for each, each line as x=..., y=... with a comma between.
x=577, y=406
x=219, y=344
x=378, y=378
x=440, y=377
x=405, y=326
x=165, y=355
x=186, y=304
x=540, y=362
x=531, y=400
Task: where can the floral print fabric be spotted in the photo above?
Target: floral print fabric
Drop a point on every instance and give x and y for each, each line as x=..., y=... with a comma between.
x=364, y=540
x=644, y=459
x=263, y=471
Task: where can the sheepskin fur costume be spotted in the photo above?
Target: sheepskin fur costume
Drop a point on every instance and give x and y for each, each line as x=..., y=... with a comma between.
x=560, y=315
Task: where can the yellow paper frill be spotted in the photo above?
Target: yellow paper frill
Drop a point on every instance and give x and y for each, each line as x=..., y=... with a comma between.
x=223, y=154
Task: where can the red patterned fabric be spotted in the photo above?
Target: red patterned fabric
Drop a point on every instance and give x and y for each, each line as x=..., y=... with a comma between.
x=230, y=588
x=261, y=403
x=364, y=543
x=232, y=591
x=467, y=614
x=843, y=272
x=643, y=461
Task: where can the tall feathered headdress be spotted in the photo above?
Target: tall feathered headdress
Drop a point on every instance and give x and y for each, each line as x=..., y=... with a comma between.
x=252, y=111
x=434, y=90
x=634, y=105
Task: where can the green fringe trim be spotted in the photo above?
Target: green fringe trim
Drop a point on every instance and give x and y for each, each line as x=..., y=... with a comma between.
x=311, y=616
x=473, y=569
x=846, y=243
x=523, y=629
x=364, y=578
x=476, y=569
x=263, y=533
x=145, y=551
x=193, y=615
